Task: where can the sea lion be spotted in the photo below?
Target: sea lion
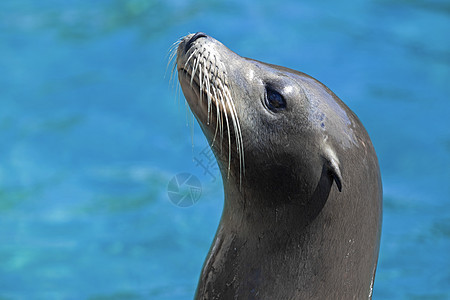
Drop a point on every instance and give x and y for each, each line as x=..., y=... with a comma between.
x=303, y=195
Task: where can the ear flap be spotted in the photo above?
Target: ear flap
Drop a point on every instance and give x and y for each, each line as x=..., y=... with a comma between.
x=333, y=166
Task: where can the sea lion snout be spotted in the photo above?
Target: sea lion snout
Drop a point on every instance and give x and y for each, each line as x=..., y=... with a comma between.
x=192, y=40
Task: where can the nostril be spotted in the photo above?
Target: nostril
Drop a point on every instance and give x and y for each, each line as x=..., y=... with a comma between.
x=193, y=39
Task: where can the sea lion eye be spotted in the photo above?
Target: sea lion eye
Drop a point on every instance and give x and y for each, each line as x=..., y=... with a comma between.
x=274, y=100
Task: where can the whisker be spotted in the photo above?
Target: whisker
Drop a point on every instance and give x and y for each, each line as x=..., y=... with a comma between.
x=238, y=133
x=216, y=130
x=189, y=59
x=172, y=61
x=206, y=69
x=222, y=101
x=196, y=62
x=172, y=53
x=208, y=87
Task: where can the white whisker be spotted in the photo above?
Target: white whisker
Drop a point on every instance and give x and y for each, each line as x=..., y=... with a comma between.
x=208, y=89
x=209, y=72
x=172, y=61
x=172, y=54
x=195, y=65
x=238, y=133
x=189, y=59
x=222, y=101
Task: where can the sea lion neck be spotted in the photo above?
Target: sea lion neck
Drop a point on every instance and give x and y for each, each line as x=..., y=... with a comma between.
x=259, y=210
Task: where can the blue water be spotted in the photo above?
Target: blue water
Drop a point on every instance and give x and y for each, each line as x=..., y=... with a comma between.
x=91, y=134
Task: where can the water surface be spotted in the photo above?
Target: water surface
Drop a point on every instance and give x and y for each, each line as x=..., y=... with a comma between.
x=92, y=134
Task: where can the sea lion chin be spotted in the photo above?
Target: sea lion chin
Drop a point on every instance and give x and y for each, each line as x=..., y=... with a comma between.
x=303, y=195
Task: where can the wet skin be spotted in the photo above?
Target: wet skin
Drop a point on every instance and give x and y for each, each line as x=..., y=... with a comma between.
x=303, y=195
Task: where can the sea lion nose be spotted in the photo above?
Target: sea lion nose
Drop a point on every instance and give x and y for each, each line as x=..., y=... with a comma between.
x=193, y=39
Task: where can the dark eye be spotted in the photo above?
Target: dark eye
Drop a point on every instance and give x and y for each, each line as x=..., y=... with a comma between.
x=274, y=100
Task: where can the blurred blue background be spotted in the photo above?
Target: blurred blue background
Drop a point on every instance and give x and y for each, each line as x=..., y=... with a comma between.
x=92, y=132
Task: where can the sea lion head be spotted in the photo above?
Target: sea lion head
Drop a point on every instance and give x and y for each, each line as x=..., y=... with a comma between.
x=272, y=129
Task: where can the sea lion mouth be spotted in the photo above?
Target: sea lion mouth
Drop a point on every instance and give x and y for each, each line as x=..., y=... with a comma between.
x=200, y=68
